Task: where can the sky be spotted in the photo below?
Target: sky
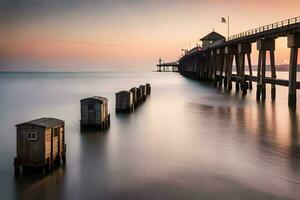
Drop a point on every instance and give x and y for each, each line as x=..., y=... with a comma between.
x=121, y=35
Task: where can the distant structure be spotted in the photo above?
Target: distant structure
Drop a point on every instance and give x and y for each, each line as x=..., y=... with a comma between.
x=94, y=113
x=167, y=67
x=124, y=101
x=211, y=38
x=40, y=144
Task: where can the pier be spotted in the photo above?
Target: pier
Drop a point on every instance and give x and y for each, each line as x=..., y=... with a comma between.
x=214, y=61
x=167, y=67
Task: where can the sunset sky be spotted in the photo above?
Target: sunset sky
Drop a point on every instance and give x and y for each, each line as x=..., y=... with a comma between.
x=71, y=35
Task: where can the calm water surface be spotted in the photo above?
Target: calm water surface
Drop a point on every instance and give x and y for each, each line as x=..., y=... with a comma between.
x=188, y=141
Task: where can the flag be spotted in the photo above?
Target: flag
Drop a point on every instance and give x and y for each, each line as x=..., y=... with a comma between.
x=223, y=20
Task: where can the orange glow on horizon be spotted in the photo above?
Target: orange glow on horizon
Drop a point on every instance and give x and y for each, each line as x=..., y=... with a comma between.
x=137, y=32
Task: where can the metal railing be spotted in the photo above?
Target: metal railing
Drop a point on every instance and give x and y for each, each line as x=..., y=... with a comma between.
x=269, y=27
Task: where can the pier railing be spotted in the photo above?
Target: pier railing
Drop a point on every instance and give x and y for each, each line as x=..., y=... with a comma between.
x=281, y=24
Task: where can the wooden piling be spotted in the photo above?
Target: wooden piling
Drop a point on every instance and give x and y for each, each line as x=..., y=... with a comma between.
x=124, y=101
x=230, y=66
x=273, y=75
x=293, y=44
x=143, y=90
x=242, y=74
x=94, y=113
x=226, y=70
x=134, y=96
x=223, y=65
x=148, y=88
x=263, y=88
x=293, y=78
x=250, y=70
x=259, y=83
x=139, y=96
x=238, y=71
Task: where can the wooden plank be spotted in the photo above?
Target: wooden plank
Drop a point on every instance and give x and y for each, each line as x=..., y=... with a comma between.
x=268, y=80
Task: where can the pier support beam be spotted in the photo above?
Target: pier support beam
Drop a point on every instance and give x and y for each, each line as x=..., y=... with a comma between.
x=244, y=50
x=231, y=52
x=273, y=75
x=221, y=59
x=214, y=63
x=264, y=45
x=293, y=44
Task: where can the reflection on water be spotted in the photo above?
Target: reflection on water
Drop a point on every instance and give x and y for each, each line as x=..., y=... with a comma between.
x=187, y=141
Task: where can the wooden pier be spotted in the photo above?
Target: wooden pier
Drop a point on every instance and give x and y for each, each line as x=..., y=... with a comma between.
x=214, y=60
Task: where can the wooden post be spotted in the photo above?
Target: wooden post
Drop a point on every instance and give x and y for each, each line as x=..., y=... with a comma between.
x=226, y=70
x=242, y=67
x=216, y=68
x=198, y=67
x=293, y=78
x=237, y=64
x=213, y=65
x=243, y=50
x=263, y=89
x=223, y=64
x=264, y=45
x=230, y=71
x=273, y=74
x=258, y=90
x=250, y=70
x=294, y=44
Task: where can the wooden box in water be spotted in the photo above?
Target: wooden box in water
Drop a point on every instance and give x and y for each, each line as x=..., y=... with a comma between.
x=124, y=101
x=143, y=90
x=94, y=113
x=40, y=143
x=148, y=89
x=139, y=95
x=134, y=95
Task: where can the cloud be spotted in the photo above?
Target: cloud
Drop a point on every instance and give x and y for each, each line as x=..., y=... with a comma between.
x=91, y=43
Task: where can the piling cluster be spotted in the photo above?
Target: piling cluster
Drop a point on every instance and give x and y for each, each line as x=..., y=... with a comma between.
x=128, y=101
x=41, y=142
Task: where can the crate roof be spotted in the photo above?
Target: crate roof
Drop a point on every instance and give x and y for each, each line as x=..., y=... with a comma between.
x=44, y=122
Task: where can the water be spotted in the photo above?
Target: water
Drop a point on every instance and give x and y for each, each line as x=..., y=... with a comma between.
x=188, y=141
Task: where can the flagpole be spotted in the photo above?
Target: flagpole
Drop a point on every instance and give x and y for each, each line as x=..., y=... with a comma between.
x=228, y=28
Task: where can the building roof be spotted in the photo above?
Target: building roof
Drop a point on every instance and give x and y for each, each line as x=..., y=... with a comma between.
x=213, y=36
x=97, y=98
x=44, y=122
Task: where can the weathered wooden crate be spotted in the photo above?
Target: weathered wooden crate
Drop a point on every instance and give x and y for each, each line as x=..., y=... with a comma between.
x=143, y=90
x=40, y=144
x=134, y=95
x=124, y=101
x=148, y=88
x=94, y=113
x=139, y=95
